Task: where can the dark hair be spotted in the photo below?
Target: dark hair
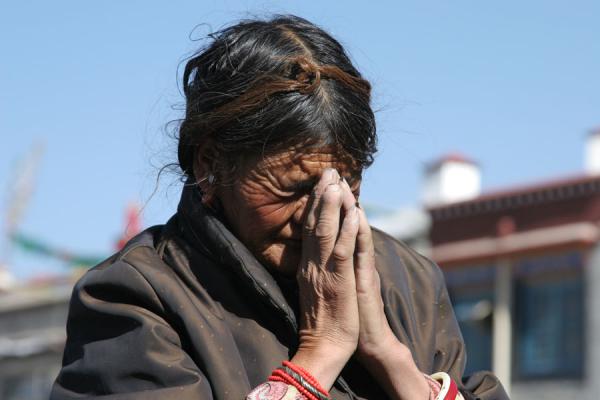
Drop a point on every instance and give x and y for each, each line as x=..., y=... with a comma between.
x=262, y=85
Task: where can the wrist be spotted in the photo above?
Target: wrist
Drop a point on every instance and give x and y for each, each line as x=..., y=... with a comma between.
x=323, y=362
x=387, y=349
x=393, y=366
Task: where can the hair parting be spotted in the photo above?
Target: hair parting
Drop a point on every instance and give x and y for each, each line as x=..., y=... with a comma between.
x=262, y=85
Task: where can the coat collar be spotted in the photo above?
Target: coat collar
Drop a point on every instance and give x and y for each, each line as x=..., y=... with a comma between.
x=205, y=230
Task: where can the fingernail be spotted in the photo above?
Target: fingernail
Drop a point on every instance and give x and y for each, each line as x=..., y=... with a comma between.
x=334, y=187
x=354, y=215
x=330, y=174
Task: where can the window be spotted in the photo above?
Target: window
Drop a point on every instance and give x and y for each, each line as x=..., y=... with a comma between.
x=547, y=309
x=549, y=317
x=471, y=292
x=474, y=314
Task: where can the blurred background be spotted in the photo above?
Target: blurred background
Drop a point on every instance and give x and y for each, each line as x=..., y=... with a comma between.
x=488, y=117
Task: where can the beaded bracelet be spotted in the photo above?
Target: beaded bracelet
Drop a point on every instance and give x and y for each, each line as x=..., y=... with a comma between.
x=299, y=378
x=308, y=377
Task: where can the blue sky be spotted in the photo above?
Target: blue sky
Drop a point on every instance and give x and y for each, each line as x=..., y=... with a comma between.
x=514, y=85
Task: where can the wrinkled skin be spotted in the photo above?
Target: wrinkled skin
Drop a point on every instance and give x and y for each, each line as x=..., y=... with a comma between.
x=298, y=216
x=266, y=206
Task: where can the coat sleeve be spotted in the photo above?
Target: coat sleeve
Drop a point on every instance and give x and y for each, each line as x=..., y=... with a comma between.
x=450, y=353
x=120, y=347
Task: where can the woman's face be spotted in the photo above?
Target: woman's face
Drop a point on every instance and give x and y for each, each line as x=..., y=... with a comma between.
x=265, y=207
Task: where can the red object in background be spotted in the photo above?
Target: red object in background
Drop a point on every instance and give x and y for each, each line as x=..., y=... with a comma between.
x=133, y=224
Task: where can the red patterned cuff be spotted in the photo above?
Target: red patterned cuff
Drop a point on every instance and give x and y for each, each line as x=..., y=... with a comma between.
x=447, y=389
x=275, y=391
x=441, y=386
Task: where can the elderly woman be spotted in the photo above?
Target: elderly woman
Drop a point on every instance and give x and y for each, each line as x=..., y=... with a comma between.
x=268, y=282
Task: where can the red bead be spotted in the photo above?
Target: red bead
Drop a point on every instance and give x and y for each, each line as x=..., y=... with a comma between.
x=281, y=376
x=307, y=377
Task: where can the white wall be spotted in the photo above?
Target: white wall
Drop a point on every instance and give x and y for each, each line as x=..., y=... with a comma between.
x=452, y=181
x=592, y=153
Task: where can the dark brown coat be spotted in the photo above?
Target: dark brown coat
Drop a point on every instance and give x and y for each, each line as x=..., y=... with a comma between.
x=186, y=312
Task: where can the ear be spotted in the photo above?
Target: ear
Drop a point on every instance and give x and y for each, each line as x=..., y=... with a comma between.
x=205, y=172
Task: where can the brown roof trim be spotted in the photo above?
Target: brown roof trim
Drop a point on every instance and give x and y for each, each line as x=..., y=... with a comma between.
x=545, y=192
x=466, y=251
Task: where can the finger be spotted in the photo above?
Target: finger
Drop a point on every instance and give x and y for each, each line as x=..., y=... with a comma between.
x=368, y=282
x=328, y=220
x=343, y=253
x=365, y=251
x=330, y=175
x=349, y=201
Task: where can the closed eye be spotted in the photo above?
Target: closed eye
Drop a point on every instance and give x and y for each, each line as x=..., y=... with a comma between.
x=299, y=188
x=303, y=187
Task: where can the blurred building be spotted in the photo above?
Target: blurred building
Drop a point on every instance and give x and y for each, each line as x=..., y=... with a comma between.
x=522, y=266
x=33, y=317
x=32, y=337
x=410, y=225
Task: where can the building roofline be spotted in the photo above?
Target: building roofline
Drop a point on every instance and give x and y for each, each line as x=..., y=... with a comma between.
x=519, y=195
x=26, y=298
